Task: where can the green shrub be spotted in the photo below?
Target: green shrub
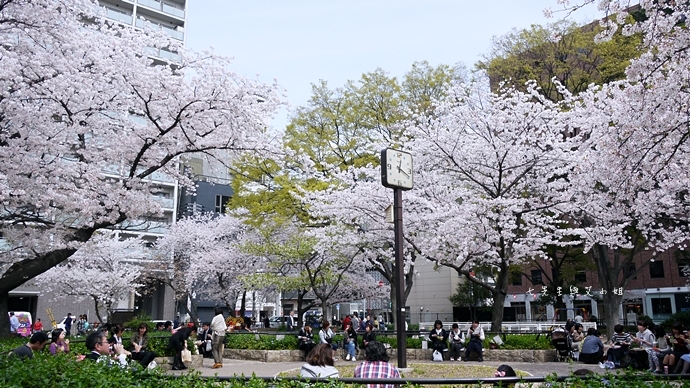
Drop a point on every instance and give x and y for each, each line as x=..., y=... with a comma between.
x=134, y=323
x=264, y=342
x=682, y=317
x=524, y=341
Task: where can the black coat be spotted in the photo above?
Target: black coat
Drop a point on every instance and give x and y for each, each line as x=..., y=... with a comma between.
x=178, y=339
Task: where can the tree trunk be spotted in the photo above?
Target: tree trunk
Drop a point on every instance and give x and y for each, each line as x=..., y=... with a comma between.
x=611, y=317
x=4, y=323
x=243, y=306
x=497, y=310
x=96, y=308
x=22, y=271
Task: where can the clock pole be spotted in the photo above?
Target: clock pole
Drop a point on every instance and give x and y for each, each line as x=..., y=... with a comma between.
x=400, y=278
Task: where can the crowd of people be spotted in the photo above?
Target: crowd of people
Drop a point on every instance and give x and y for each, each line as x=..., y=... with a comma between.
x=98, y=344
x=650, y=347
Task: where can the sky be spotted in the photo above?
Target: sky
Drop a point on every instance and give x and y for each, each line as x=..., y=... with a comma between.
x=299, y=42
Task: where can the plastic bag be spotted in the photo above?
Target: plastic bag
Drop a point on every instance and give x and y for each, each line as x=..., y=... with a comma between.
x=186, y=355
x=208, y=346
x=437, y=356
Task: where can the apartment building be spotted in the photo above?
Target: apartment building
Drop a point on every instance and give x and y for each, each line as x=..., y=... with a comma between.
x=159, y=300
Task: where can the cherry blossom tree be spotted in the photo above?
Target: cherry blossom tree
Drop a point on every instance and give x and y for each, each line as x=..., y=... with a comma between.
x=493, y=169
x=298, y=261
x=105, y=269
x=630, y=183
x=87, y=125
x=208, y=258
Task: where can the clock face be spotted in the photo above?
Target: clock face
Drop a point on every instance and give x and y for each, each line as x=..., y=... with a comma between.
x=396, y=169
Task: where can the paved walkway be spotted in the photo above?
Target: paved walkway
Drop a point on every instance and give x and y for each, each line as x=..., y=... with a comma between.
x=266, y=369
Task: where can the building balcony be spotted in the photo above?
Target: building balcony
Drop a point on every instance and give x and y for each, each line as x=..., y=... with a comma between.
x=169, y=8
x=144, y=227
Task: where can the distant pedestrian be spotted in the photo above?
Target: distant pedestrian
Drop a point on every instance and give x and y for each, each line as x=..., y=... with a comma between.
x=218, y=328
x=68, y=324
x=81, y=325
x=14, y=325
x=38, y=325
x=291, y=321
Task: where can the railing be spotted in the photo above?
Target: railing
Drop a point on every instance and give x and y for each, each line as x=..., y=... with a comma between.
x=473, y=381
x=509, y=327
x=179, y=35
x=118, y=16
x=169, y=8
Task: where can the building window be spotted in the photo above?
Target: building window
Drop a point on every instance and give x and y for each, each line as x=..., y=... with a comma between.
x=661, y=306
x=656, y=269
x=516, y=278
x=221, y=203
x=536, y=277
x=631, y=270
x=683, y=267
x=581, y=276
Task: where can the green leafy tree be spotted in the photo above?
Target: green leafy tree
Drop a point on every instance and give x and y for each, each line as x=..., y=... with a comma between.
x=561, y=51
x=472, y=296
x=339, y=128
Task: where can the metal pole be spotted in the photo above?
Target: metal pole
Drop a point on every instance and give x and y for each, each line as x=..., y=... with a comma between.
x=400, y=278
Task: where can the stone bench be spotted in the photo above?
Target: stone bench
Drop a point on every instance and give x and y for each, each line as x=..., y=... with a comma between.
x=165, y=363
x=519, y=355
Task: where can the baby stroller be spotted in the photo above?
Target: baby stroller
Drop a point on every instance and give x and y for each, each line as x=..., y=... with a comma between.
x=563, y=344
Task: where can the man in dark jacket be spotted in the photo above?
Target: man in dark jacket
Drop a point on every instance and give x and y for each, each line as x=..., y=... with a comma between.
x=97, y=343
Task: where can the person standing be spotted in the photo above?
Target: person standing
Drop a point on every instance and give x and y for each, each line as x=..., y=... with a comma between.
x=14, y=325
x=355, y=320
x=38, y=325
x=346, y=321
x=476, y=336
x=291, y=321
x=68, y=324
x=36, y=342
x=376, y=366
x=81, y=325
x=218, y=327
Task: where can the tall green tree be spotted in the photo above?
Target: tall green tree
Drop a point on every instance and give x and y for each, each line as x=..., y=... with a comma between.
x=562, y=51
x=339, y=128
x=472, y=296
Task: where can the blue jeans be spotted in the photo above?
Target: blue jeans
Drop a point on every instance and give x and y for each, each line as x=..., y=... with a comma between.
x=351, y=349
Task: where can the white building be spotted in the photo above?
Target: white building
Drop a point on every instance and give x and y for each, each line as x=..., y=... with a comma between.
x=159, y=302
